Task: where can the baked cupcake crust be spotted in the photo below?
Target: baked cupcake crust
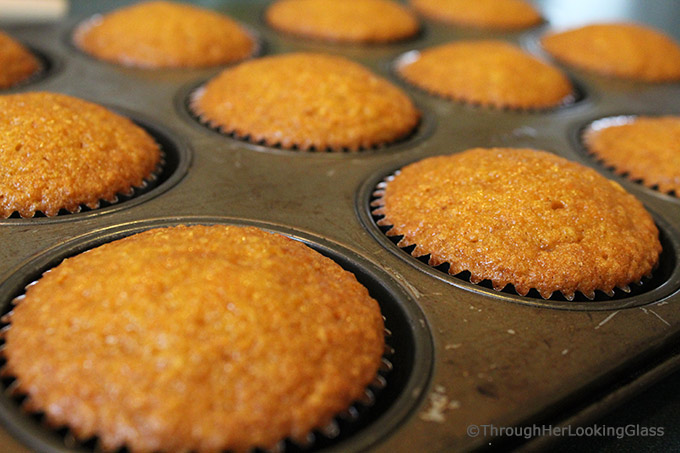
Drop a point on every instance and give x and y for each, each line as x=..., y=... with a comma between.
x=489, y=73
x=60, y=152
x=202, y=338
x=361, y=21
x=643, y=148
x=308, y=101
x=162, y=34
x=492, y=14
x=522, y=217
x=623, y=50
x=16, y=63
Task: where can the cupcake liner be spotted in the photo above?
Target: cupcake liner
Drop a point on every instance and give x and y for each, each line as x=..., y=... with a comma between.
x=72, y=439
x=289, y=145
x=147, y=184
x=577, y=94
x=376, y=207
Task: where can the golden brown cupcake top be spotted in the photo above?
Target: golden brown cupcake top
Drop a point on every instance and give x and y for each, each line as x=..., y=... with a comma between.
x=164, y=34
x=498, y=14
x=366, y=21
x=522, y=217
x=489, y=73
x=308, y=101
x=628, y=51
x=644, y=148
x=203, y=338
x=60, y=152
x=16, y=62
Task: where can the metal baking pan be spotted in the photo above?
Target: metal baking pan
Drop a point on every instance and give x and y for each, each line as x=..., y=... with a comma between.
x=465, y=354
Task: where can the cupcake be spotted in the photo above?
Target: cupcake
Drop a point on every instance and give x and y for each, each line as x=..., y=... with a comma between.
x=488, y=14
x=61, y=152
x=488, y=73
x=521, y=217
x=646, y=149
x=628, y=51
x=306, y=101
x=163, y=34
x=17, y=64
x=360, y=21
x=202, y=338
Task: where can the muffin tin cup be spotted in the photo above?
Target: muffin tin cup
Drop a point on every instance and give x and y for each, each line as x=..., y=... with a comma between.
x=403, y=374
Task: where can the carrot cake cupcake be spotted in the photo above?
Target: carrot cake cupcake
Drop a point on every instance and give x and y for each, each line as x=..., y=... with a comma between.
x=306, y=101
x=488, y=73
x=202, y=338
x=164, y=34
x=622, y=50
x=492, y=14
x=643, y=148
x=60, y=152
x=361, y=21
x=521, y=217
x=16, y=63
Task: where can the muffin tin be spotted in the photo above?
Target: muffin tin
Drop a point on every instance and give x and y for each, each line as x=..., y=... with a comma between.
x=464, y=354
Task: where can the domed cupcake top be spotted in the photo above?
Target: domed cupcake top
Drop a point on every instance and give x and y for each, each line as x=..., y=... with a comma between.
x=60, y=152
x=624, y=50
x=488, y=73
x=201, y=338
x=161, y=34
x=307, y=101
x=522, y=217
x=362, y=21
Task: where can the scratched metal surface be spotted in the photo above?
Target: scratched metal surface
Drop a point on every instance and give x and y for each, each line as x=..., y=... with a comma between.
x=484, y=357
